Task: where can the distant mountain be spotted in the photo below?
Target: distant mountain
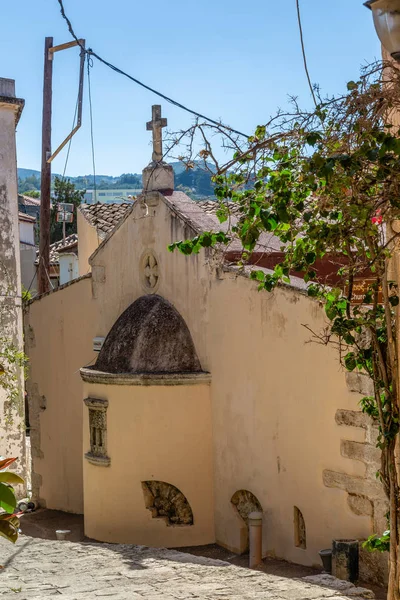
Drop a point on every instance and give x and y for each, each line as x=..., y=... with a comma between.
x=195, y=182
x=24, y=173
x=180, y=167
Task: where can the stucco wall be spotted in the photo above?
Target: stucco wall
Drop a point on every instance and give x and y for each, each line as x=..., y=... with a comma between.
x=28, y=268
x=88, y=242
x=12, y=425
x=26, y=232
x=69, y=268
x=159, y=433
x=59, y=329
x=275, y=398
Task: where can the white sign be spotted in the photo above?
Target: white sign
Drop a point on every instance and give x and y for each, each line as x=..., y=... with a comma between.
x=65, y=207
x=65, y=217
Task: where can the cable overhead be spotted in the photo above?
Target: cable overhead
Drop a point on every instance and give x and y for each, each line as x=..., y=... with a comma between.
x=161, y=95
x=303, y=50
x=90, y=52
x=89, y=65
x=78, y=41
x=70, y=141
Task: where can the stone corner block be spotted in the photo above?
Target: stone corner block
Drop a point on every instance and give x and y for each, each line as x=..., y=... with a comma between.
x=353, y=484
x=360, y=383
x=351, y=418
x=98, y=274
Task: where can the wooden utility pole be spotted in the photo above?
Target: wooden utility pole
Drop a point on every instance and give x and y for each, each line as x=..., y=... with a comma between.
x=44, y=242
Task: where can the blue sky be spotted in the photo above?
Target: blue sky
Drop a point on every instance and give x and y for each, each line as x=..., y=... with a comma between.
x=228, y=59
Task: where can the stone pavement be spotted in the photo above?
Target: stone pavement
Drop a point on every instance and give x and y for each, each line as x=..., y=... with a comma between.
x=35, y=569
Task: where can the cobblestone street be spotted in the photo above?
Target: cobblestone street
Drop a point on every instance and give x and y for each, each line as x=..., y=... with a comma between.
x=35, y=569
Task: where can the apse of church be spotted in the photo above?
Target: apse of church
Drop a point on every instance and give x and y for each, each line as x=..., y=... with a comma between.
x=157, y=423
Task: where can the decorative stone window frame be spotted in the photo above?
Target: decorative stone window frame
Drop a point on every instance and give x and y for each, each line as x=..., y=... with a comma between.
x=97, y=454
x=149, y=268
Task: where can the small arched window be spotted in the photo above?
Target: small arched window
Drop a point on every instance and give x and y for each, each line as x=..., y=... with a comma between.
x=300, y=538
x=245, y=502
x=165, y=501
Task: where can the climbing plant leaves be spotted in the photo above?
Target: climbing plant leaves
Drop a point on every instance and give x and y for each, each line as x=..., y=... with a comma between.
x=10, y=478
x=8, y=501
x=318, y=192
x=9, y=526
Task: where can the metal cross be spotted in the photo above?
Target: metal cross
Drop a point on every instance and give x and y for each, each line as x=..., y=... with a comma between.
x=156, y=125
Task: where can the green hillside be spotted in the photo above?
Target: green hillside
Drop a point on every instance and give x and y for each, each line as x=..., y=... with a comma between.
x=24, y=173
x=195, y=182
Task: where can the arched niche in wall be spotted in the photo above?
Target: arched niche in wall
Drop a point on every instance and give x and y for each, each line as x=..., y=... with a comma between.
x=244, y=502
x=149, y=337
x=165, y=501
x=300, y=537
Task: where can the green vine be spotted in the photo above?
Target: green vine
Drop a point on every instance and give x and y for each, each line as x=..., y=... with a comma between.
x=325, y=184
x=378, y=544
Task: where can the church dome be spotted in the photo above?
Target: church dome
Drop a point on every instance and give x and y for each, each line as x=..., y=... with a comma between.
x=149, y=337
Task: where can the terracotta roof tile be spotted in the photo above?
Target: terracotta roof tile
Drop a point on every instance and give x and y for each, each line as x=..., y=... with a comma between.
x=202, y=216
x=70, y=243
x=27, y=218
x=199, y=215
x=104, y=216
x=211, y=207
x=28, y=201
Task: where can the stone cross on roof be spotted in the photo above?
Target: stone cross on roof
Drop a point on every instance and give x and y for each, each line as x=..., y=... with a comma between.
x=156, y=125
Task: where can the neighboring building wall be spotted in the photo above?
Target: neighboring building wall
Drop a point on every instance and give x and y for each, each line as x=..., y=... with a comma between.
x=59, y=328
x=28, y=268
x=26, y=232
x=109, y=196
x=87, y=244
x=69, y=267
x=12, y=424
x=27, y=254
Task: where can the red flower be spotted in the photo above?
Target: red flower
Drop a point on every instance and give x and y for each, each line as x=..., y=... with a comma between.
x=377, y=219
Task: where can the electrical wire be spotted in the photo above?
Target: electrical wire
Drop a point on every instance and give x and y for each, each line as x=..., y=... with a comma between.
x=34, y=275
x=90, y=52
x=69, y=24
x=48, y=277
x=89, y=65
x=303, y=50
x=70, y=141
x=161, y=95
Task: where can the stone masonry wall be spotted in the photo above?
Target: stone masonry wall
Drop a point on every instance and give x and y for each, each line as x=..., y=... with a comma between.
x=12, y=426
x=365, y=494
